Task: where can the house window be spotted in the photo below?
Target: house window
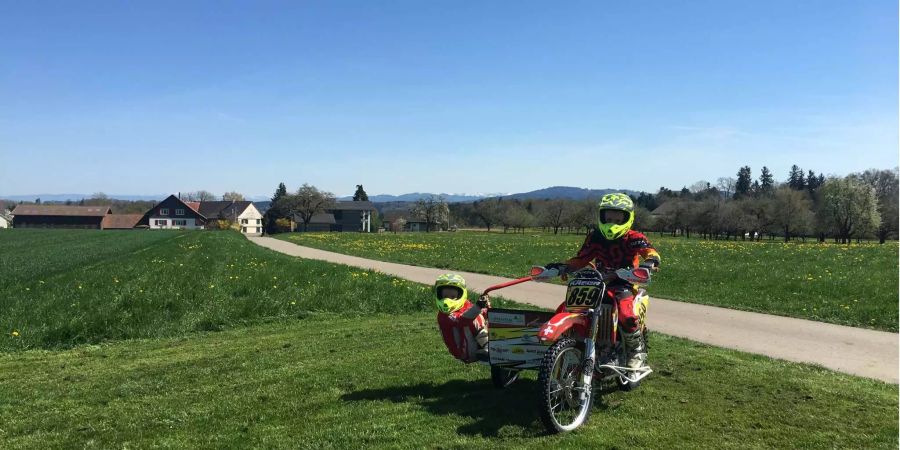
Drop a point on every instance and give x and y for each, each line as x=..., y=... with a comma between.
x=244, y=221
x=243, y=229
x=258, y=222
x=179, y=212
x=179, y=223
x=164, y=211
x=162, y=222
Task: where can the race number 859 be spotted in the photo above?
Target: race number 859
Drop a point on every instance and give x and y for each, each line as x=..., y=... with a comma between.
x=583, y=296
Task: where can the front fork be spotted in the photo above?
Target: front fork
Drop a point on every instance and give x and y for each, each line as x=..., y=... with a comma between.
x=590, y=353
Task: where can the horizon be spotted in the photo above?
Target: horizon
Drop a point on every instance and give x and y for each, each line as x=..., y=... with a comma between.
x=409, y=97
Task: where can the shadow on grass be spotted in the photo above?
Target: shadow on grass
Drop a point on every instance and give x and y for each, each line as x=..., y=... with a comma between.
x=491, y=408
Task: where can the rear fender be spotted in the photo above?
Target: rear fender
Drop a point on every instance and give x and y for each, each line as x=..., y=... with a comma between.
x=561, y=323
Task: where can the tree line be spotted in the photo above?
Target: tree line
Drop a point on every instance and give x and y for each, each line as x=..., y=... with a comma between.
x=805, y=205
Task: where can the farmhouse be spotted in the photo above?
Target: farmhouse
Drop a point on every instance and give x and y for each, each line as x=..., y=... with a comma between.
x=243, y=213
x=60, y=216
x=176, y=213
x=342, y=216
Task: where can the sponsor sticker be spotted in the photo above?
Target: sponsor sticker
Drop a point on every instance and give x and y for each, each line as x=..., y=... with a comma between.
x=498, y=318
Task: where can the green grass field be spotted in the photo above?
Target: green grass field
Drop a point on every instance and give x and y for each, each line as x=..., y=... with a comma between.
x=62, y=288
x=318, y=355
x=852, y=285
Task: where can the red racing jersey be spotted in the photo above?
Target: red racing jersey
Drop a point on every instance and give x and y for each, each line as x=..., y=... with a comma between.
x=627, y=251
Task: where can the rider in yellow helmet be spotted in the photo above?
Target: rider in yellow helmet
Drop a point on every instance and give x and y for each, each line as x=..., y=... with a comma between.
x=462, y=323
x=614, y=245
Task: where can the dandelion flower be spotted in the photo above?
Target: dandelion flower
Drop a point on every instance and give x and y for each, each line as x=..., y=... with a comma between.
x=15, y=333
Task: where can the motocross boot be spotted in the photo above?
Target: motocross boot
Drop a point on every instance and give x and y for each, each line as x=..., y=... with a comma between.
x=635, y=348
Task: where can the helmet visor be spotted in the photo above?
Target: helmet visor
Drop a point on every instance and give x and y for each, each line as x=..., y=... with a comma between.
x=452, y=292
x=613, y=216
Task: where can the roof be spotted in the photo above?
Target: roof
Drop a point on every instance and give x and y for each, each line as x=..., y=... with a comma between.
x=318, y=219
x=352, y=206
x=223, y=209
x=193, y=205
x=61, y=210
x=121, y=221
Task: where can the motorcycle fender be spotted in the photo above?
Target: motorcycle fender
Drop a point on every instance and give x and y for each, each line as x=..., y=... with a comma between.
x=560, y=323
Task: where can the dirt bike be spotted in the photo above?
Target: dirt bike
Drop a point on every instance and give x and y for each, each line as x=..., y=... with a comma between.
x=571, y=349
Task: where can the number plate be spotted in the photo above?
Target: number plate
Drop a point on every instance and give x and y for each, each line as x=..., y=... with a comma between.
x=584, y=294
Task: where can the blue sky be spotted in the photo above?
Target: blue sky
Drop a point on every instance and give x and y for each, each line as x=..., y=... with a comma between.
x=463, y=97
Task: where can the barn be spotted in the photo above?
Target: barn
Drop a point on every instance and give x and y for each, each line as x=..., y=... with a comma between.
x=60, y=216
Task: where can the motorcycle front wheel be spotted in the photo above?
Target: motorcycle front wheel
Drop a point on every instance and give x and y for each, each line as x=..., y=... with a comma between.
x=565, y=401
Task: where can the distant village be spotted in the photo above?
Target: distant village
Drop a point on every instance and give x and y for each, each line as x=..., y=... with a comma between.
x=175, y=213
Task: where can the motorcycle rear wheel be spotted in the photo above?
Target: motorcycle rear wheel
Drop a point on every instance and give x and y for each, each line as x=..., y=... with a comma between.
x=565, y=403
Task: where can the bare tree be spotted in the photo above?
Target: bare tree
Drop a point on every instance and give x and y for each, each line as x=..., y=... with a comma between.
x=792, y=211
x=726, y=186
x=307, y=202
x=488, y=211
x=233, y=197
x=553, y=213
x=198, y=196
x=433, y=210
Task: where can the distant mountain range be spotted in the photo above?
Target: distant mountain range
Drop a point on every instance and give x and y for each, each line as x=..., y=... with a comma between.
x=76, y=197
x=451, y=198
x=567, y=192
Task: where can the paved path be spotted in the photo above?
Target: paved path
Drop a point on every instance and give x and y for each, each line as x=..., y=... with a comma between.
x=866, y=353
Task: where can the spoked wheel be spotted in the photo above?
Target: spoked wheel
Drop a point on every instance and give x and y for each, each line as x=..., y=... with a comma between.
x=565, y=401
x=502, y=378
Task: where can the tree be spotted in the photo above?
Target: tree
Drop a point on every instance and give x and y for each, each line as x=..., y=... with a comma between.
x=813, y=182
x=726, y=185
x=307, y=202
x=277, y=210
x=233, y=197
x=848, y=207
x=766, y=181
x=488, y=211
x=198, y=196
x=743, y=184
x=795, y=178
x=791, y=209
x=99, y=196
x=280, y=191
x=433, y=210
x=360, y=194
x=552, y=213
x=884, y=183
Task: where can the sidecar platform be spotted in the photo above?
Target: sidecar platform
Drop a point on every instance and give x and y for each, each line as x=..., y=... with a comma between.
x=513, y=338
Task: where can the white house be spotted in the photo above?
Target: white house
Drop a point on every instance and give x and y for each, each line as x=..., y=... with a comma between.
x=5, y=220
x=251, y=221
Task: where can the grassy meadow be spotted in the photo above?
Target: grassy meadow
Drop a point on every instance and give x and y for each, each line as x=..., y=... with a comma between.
x=67, y=287
x=202, y=339
x=852, y=285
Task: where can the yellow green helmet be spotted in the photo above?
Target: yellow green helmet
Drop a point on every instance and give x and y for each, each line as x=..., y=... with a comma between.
x=616, y=202
x=450, y=305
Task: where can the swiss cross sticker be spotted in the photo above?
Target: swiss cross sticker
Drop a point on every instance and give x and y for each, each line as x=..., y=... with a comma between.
x=549, y=330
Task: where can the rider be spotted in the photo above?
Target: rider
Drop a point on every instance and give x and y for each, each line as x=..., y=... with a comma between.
x=614, y=245
x=462, y=323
